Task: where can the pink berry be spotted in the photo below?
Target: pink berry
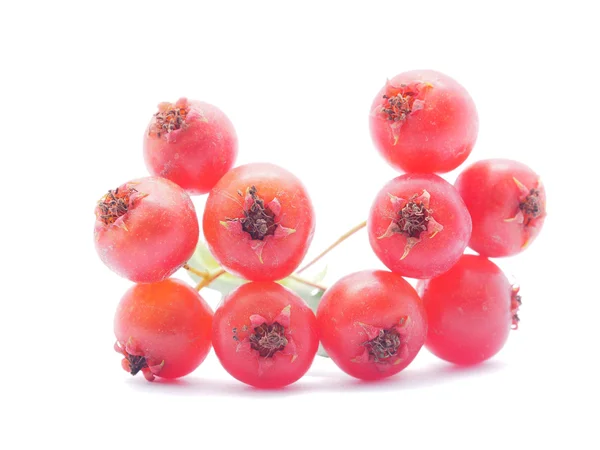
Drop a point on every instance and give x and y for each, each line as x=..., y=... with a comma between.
x=191, y=143
x=146, y=229
x=507, y=203
x=424, y=121
x=418, y=225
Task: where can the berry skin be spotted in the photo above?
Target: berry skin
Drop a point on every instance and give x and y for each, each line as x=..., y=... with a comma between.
x=259, y=222
x=423, y=121
x=507, y=203
x=191, y=143
x=418, y=225
x=470, y=309
x=372, y=324
x=265, y=335
x=145, y=229
x=163, y=329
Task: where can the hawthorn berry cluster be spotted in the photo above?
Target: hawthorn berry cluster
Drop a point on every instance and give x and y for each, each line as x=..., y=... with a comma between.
x=258, y=224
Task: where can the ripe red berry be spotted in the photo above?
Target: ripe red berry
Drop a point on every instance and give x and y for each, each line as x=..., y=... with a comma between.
x=418, y=225
x=145, y=229
x=424, y=121
x=372, y=324
x=470, y=310
x=265, y=335
x=163, y=329
x=259, y=222
x=191, y=143
x=507, y=203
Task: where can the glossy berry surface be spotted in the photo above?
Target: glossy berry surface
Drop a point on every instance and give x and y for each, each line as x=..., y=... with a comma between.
x=191, y=143
x=507, y=202
x=418, y=225
x=470, y=309
x=145, y=229
x=163, y=329
x=423, y=121
x=372, y=324
x=265, y=335
x=259, y=221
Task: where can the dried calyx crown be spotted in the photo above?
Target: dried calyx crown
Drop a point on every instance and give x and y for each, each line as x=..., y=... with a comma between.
x=170, y=117
x=258, y=220
x=268, y=339
x=384, y=345
x=413, y=218
x=531, y=206
x=115, y=204
x=401, y=101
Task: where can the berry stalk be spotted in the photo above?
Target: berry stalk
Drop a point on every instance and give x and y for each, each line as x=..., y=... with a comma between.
x=209, y=278
x=341, y=239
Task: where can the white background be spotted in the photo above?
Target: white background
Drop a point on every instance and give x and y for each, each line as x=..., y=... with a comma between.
x=81, y=80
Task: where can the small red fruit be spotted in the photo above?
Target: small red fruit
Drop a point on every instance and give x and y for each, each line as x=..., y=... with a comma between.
x=424, y=121
x=259, y=222
x=146, y=229
x=372, y=324
x=507, y=203
x=265, y=335
x=418, y=225
x=470, y=310
x=191, y=143
x=163, y=329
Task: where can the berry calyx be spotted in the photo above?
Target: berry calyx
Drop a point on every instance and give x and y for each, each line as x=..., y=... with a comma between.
x=531, y=206
x=170, y=117
x=115, y=204
x=136, y=361
x=400, y=101
x=259, y=221
x=384, y=346
x=268, y=339
x=515, y=303
x=398, y=106
x=414, y=220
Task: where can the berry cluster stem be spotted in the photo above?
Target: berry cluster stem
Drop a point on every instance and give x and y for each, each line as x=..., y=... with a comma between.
x=209, y=278
x=200, y=273
x=341, y=239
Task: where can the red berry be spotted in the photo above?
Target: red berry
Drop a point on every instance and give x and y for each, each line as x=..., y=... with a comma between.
x=424, y=121
x=470, y=310
x=507, y=203
x=146, y=229
x=371, y=323
x=191, y=143
x=163, y=329
x=418, y=225
x=259, y=222
x=265, y=335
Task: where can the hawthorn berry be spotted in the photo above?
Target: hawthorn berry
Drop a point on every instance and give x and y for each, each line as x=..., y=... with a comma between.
x=418, y=225
x=507, y=202
x=191, y=143
x=372, y=324
x=145, y=229
x=423, y=121
x=470, y=309
x=265, y=335
x=163, y=329
x=259, y=222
